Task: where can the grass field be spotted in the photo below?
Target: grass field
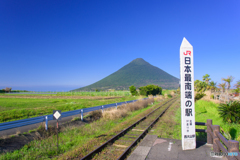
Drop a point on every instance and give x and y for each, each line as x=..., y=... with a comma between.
x=102, y=93
x=12, y=108
x=208, y=110
x=88, y=137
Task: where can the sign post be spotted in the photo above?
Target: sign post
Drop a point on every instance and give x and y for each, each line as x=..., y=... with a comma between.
x=187, y=96
x=57, y=116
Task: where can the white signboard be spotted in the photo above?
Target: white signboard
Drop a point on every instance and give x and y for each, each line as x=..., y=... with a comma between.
x=187, y=96
x=56, y=114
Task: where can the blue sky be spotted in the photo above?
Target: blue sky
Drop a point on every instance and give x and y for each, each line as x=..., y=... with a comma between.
x=61, y=45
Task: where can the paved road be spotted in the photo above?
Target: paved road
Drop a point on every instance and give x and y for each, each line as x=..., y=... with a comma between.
x=34, y=126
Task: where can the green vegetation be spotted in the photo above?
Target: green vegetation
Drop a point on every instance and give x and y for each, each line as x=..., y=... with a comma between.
x=133, y=90
x=137, y=73
x=202, y=86
x=230, y=111
x=170, y=124
x=70, y=145
x=20, y=108
x=209, y=110
x=96, y=93
x=237, y=85
x=206, y=84
x=199, y=96
x=228, y=80
x=169, y=95
x=74, y=93
x=150, y=90
x=164, y=91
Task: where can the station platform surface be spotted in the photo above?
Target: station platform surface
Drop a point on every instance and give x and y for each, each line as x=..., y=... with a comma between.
x=154, y=148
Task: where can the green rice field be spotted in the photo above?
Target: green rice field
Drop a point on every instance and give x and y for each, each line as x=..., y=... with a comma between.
x=12, y=108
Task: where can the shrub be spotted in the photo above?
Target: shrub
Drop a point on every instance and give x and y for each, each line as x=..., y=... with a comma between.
x=199, y=96
x=96, y=114
x=169, y=95
x=150, y=90
x=133, y=90
x=150, y=100
x=230, y=111
x=212, y=96
x=159, y=98
x=114, y=114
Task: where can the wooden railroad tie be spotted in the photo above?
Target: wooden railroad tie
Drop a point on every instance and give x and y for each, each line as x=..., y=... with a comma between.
x=119, y=145
x=138, y=130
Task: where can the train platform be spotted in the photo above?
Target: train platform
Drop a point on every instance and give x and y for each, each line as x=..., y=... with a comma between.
x=154, y=148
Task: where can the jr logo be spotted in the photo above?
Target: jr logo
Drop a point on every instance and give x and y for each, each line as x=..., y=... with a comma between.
x=187, y=52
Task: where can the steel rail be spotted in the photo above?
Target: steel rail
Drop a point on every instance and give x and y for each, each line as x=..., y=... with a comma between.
x=101, y=147
x=124, y=154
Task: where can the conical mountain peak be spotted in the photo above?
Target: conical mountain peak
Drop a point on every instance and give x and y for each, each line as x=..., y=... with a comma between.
x=138, y=73
x=139, y=61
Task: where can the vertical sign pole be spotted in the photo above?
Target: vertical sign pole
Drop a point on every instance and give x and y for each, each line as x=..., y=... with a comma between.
x=187, y=96
x=46, y=123
x=81, y=115
x=56, y=116
x=57, y=136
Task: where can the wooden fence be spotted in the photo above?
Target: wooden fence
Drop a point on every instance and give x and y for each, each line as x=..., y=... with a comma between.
x=219, y=142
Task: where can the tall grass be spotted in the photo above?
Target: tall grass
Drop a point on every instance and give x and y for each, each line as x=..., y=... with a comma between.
x=167, y=91
x=123, y=110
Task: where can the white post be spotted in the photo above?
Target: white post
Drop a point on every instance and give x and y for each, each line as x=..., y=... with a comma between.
x=187, y=96
x=46, y=123
x=81, y=115
x=102, y=108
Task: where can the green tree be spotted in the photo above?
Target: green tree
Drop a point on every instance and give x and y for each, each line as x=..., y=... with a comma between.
x=133, y=90
x=200, y=86
x=228, y=80
x=237, y=85
x=212, y=85
x=206, y=78
x=150, y=90
x=222, y=86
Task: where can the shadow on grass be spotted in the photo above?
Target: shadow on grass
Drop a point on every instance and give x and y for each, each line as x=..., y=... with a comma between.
x=233, y=132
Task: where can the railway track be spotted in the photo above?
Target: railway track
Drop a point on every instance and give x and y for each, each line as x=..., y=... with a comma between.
x=120, y=145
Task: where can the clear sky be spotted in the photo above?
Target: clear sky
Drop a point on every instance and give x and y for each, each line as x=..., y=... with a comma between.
x=58, y=45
